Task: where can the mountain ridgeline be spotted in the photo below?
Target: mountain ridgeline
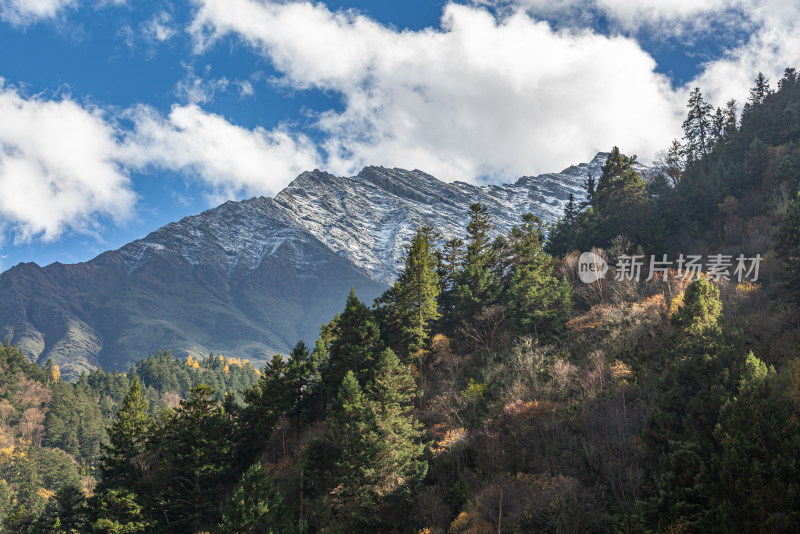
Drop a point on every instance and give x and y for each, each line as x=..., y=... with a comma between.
x=248, y=279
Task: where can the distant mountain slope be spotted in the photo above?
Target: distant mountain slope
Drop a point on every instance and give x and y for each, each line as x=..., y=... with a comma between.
x=249, y=278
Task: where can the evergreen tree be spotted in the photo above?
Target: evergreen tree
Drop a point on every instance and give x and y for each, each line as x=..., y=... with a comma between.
x=256, y=506
x=353, y=429
x=411, y=305
x=116, y=512
x=451, y=260
x=790, y=79
x=701, y=374
x=399, y=467
x=787, y=248
x=697, y=127
x=195, y=462
x=66, y=512
x=127, y=440
x=537, y=300
x=591, y=189
x=730, y=126
x=354, y=344
x=478, y=284
x=759, y=91
x=754, y=476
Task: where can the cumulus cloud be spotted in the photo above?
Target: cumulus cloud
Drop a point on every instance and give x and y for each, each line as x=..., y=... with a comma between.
x=227, y=158
x=65, y=167
x=57, y=167
x=773, y=46
x=481, y=96
x=756, y=35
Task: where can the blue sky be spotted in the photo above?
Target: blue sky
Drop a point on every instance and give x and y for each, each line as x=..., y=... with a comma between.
x=117, y=117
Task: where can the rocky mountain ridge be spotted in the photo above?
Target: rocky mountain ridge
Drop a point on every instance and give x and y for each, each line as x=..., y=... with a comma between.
x=249, y=278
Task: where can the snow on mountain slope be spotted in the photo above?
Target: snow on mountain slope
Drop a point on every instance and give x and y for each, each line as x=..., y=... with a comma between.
x=366, y=219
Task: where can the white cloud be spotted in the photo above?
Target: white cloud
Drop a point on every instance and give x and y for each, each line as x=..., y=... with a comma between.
x=196, y=90
x=228, y=158
x=771, y=28
x=65, y=167
x=26, y=12
x=158, y=29
x=57, y=168
x=772, y=47
x=482, y=96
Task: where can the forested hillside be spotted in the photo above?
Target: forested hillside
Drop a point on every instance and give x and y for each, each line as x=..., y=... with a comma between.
x=53, y=434
x=489, y=390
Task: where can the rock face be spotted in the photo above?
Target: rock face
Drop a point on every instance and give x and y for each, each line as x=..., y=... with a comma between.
x=250, y=278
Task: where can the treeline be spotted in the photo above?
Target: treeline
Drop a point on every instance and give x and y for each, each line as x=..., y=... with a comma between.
x=490, y=390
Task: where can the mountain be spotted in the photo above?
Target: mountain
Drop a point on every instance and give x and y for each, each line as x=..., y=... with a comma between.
x=250, y=278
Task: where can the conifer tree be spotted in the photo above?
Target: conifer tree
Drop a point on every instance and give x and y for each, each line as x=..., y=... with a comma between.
x=701, y=374
x=451, y=260
x=731, y=121
x=354, y=344
x=353, y=429
x=256, y=506
x=759, y=91
x=697, y=127
x=538, y=302
x=195, y=461
x=391, y=397
x=127, y=440
x=411, y=305
x=478, y=284
x=116, y=511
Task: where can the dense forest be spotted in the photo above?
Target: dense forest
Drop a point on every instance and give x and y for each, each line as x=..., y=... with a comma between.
x=489, y=390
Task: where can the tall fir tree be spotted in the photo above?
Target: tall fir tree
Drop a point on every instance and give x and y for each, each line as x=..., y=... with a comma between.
x=478, y=284
x=355, y=341
x=411, y=305
x=698, y=127
x=127, y=440
x=451, y=261
x=353, y=429
x=538, y=301
x=400, y=467
x=195, y=462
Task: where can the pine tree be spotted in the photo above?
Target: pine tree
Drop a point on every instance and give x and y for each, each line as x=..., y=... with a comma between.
x=591, y=190
x=451, y=260
x=759, y=91
x=66, y=512
x=116, y=512
x=355, y=342
x=256, y=506
x=538, y=302
x=697, y=127
x=731, y=121
x=478, y=284
x=127, y=440
x=621, y=198
x=399, y=467
x=411, y=305
x=702, y=370
x=195, y=461
x=353, y=429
